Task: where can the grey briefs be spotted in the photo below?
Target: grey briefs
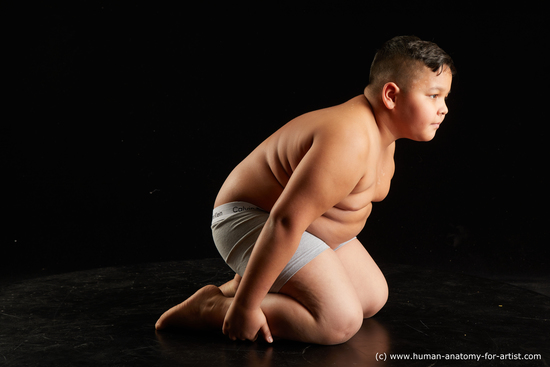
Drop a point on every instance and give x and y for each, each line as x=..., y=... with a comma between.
x=235, y=229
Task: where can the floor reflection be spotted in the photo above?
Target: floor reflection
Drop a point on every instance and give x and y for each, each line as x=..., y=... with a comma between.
x=372, y=339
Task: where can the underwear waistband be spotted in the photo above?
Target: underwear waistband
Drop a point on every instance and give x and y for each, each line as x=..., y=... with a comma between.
x=224, y=211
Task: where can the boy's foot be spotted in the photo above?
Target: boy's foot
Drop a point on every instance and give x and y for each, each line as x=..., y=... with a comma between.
x=201, y=311
x=229, y=289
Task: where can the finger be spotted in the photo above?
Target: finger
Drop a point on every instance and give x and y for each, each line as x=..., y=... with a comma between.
x=227, y=333
x=266, y=333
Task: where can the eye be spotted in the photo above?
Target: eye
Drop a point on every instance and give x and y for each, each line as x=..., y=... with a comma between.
x=434, y=96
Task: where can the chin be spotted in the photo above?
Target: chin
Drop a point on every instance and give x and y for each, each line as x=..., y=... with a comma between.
x=430, y=139
x=424, y=138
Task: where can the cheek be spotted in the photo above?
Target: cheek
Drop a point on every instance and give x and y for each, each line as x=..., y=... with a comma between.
x=412, y=109
x=426, y=113
x=418, y=113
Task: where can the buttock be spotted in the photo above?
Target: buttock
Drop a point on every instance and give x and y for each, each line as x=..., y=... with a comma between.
x=235, y=228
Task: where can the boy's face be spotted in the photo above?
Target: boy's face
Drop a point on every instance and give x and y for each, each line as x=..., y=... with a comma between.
x=422, y=106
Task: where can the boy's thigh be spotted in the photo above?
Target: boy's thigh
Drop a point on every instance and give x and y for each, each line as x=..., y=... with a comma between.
x=366, y=277
x=323, y=285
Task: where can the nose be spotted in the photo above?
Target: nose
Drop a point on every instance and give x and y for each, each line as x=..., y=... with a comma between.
x=444, y=110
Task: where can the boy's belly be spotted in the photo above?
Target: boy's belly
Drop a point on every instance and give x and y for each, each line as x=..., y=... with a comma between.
x=334, y=227
x=337, y=226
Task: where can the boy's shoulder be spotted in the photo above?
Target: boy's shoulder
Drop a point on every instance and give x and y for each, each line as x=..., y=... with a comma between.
x=353, y=121
x=349, y=127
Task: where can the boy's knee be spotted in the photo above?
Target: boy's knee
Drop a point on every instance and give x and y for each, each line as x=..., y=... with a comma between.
x=341, y=327
x=376, y=301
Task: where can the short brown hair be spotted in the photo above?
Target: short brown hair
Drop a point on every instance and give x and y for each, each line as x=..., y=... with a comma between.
x=397, y=53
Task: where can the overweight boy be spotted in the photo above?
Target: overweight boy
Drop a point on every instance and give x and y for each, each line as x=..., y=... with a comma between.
x=286, y=219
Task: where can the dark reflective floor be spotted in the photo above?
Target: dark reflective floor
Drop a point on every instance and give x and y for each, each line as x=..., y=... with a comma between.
x=105, y=317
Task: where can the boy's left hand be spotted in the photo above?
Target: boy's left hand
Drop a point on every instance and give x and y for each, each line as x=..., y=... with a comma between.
x=245, y=324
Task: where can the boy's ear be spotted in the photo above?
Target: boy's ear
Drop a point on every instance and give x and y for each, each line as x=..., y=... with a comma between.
x=389, y=93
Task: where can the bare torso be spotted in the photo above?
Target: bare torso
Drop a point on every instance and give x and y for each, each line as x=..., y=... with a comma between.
x=262, y=176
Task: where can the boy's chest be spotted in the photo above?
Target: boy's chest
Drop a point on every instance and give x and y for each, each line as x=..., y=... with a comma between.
x=375, y=184
x=381, y=187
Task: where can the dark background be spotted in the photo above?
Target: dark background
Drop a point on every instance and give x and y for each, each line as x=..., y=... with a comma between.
x=126, y=119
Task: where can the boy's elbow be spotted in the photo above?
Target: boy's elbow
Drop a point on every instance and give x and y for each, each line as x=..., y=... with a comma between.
x=286, y=225
x=282, y=221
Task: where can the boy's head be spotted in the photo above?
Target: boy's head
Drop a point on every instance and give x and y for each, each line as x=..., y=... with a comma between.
x=402, y=57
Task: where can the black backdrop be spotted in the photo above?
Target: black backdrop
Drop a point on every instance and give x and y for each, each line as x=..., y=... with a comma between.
x=128, y=117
